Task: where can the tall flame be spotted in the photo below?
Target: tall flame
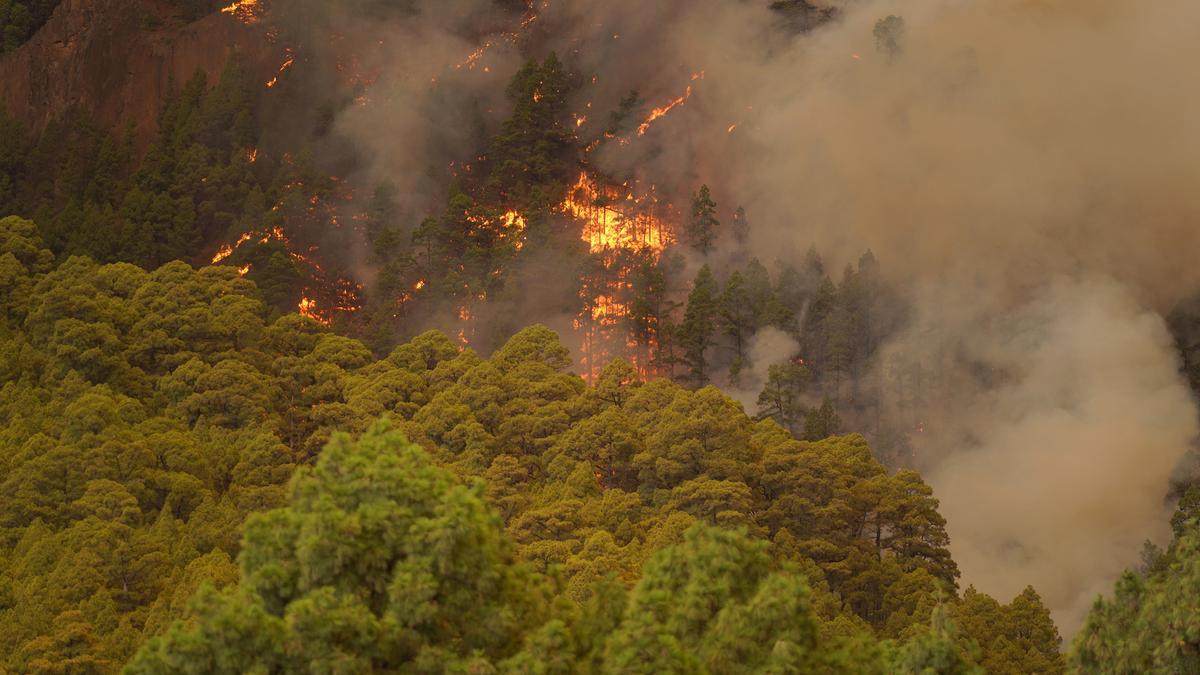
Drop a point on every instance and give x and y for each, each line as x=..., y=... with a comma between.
x=620, y=228
x=308, y=308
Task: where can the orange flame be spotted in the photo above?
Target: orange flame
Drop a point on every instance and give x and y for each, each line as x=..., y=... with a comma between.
x=287, y=63
x=614, y=221
x=222, y=253
x=605, y=226
x=245, y=11
x=659, y=113
x=308, y=308
x=511, y=226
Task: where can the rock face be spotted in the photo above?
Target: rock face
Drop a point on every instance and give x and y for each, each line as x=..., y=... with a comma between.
x=117, y=59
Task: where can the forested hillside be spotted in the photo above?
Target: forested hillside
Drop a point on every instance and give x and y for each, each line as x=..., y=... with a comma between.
x=541, y=336
x=150, y=412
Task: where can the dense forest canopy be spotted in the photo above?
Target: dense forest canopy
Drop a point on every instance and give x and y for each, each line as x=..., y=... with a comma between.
x=505, y=336
x=150, y=412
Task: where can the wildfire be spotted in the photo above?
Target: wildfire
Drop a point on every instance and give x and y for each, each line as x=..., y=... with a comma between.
x=618, y=226
x=244, y=269
x=288, y=62
x=607, y=227
x=222, y=253
x=511, y=226
x=659, y=113
x=252, y=155
x=473, y=57
x=308, y=308
x=245, y=11
x=464, y=315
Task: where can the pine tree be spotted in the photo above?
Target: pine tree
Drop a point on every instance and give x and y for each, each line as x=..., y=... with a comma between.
x=701, y=229
x=781, y=397
x=821, y=422
x=699, y=325
x=737, y=320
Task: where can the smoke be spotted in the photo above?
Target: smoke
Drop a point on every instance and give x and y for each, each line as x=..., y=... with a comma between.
x=427, y=106
x=1030, y=168
x=1024, y=165
x=768, y=347
x=1052, y=453
x=1027, y=168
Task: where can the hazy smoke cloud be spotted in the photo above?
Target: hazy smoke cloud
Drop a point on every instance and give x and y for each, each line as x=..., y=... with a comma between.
x=1052, y=454
x=426, y=106
x=1027, y=167
x=1030, y=168
x=769, y=347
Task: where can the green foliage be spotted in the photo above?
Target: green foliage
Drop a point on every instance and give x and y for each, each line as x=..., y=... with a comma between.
x=712, y=605
x=1016, y=638
x=92, y=196
x=698, y=329
x=532, y=156
x=20, y=19
x=147, y=414
x=701, y=230
x=381, y=559
x=1150, y=624
x=936, y=652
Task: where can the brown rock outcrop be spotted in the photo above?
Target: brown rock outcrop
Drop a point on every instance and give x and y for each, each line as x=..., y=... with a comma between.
x=117, y=59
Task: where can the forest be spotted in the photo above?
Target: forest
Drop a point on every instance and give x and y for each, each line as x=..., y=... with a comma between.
x=530, y=382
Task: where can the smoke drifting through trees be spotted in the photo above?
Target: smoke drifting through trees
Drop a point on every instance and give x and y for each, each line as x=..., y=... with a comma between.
x=1020, y=168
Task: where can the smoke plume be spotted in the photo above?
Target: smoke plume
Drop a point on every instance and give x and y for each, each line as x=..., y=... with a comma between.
x=1029, y=169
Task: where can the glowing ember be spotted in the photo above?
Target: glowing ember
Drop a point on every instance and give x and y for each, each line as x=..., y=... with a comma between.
x=473, y=57
x=252, y=155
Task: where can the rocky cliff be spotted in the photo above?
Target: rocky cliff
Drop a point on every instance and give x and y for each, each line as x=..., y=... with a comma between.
x=117, y=59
